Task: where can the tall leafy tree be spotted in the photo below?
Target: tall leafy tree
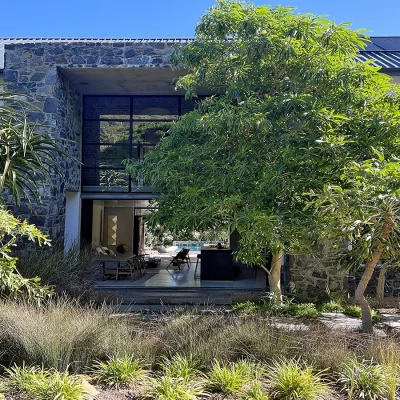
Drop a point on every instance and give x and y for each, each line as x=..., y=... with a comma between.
x=292, y=110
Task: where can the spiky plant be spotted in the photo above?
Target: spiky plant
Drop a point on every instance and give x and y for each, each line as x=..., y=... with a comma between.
x=27, y=156
x=294, y=380
x=118, y=371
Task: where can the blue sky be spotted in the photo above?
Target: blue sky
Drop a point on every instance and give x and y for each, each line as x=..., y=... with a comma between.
x=166, y=18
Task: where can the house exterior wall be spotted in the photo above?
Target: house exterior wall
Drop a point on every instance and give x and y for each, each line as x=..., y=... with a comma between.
x=33, y=70
x=317, y=277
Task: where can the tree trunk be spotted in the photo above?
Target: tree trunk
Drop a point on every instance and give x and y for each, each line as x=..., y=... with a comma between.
x=366, y=276
x=274, y=277
x=380, y=289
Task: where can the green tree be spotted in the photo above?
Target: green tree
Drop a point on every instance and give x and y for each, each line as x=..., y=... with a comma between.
x=366, y=210
x=293, y=108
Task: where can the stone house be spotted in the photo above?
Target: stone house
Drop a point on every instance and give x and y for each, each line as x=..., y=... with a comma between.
x=111, y=98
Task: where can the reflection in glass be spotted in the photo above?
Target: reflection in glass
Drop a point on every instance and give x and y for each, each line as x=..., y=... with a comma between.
x=104, y=155
x=156, y=108
x=149, y=132
x=107, y=107
x=119, y=128
x=106, y=132
x=104, y=180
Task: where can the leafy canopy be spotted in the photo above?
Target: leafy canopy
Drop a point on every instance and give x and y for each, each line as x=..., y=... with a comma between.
x=291, y=109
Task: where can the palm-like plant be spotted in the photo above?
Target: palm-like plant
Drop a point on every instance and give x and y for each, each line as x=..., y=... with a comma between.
x=27, y=157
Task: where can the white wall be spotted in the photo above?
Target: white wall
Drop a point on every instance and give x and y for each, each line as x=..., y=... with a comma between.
x=98, y=223
x=72, y=219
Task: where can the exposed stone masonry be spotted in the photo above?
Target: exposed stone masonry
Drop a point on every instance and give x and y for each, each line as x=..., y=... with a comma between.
x=317, y=277
x=32, y=69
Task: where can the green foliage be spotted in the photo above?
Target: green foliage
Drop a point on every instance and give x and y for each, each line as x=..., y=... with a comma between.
x=118, y=371
x=27, y=159
x=332, y=307
x=33, y=383
x=26, y=155
x=255, y=391
x=230, y=379
x=12, y=284
x=12, y=229
x=268, y=307
x=294, y=380
x=355, y=311
x=364, y=380
x=171, y=388
x=363, y=205
x=247, y=307
x=296, y=116
x=303, y=310
x=180, y=366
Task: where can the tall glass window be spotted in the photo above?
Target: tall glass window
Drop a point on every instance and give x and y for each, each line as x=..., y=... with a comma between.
x=120, y=127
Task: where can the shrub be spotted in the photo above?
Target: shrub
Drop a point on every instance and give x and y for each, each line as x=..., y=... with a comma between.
x=229, y=379
x=247, y=307
x=332, y=307
x=118, y=371
x=364, y=380
x=294, y=380
x=62, y=335
x=304, y=310
x=171, y=388
x=34, y=383
x=355, y=311
x=180, y=366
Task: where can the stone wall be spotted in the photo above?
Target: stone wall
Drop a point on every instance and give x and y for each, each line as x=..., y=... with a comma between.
x=32, y=69
x=392, y=282
x=318, y=277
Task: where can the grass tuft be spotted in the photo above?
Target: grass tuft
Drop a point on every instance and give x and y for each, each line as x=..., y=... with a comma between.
x=170, y=388
x=294, y=380
x=179, y=366
x=364, y=380
x=118, y=371
x=35, y=383
x=255, y=391
x=230, y=379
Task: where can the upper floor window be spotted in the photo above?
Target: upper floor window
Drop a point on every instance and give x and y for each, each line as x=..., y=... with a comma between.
x=120, y=127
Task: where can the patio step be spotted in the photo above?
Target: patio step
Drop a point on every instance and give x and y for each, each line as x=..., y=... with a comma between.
x=176, y=296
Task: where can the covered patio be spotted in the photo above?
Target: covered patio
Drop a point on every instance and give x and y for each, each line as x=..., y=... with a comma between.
x=173, y=278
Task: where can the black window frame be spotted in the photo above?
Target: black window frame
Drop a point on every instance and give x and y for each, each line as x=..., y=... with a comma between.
x=131, y=144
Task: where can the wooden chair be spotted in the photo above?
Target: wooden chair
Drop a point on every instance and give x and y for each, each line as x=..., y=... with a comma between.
x=137, y=266
x=181, y=258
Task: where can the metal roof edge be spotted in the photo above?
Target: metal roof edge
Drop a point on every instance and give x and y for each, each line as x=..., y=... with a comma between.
x=69, y=39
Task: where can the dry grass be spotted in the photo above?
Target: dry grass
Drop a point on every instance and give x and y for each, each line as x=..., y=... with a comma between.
x=71, y=272
x=65, y=334
x=61, y=335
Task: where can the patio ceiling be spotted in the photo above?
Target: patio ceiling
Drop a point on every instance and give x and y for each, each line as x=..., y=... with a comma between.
x=124, y=81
